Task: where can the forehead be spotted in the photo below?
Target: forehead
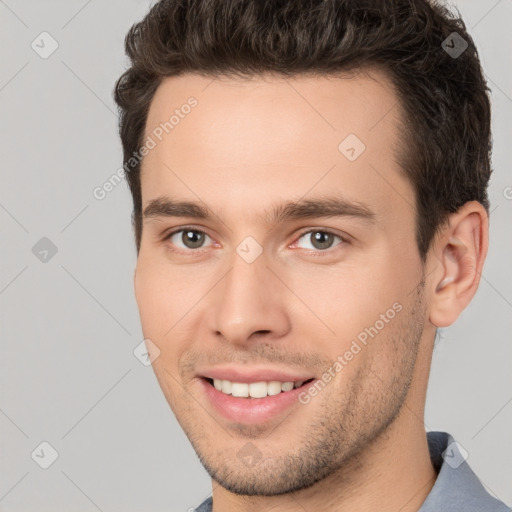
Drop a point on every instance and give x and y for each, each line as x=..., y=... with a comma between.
x=255, y=140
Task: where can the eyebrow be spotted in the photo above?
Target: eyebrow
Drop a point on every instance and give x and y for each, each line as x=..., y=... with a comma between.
x=292, y=210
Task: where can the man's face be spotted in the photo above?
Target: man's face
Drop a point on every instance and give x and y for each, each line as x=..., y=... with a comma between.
x=266, y=298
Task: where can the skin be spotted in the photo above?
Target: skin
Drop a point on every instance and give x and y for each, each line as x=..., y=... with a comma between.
x=246, y=146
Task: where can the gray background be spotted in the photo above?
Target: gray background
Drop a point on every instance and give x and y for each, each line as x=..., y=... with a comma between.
x=68, y=375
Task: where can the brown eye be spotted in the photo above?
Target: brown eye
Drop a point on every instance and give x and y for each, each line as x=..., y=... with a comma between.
x=319, y=239
x=187, y=238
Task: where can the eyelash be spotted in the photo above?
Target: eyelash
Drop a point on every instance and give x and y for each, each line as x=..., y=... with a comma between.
x=316, y=252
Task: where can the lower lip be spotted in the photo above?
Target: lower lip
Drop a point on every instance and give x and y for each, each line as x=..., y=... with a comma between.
x=252, y=410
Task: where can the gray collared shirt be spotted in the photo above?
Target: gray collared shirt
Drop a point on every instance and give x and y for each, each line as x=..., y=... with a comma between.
x=457, y=488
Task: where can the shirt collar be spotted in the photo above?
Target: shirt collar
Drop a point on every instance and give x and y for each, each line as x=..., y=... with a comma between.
x=457, y=487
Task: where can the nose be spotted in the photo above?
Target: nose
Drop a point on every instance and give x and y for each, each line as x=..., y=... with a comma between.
x=250, y=303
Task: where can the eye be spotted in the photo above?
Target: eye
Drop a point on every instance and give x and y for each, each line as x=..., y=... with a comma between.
x=320, y=240
x=187, y=238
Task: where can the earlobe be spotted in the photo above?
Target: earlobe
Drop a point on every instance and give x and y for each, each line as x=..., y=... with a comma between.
x=461, y=250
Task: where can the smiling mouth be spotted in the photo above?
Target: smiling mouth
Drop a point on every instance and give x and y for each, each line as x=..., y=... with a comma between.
x=255, y=390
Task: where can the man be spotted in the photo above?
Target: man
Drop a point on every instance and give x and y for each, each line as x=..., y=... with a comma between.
x=309, y=184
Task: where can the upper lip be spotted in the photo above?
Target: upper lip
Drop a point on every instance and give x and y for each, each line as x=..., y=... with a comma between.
x=248, y=375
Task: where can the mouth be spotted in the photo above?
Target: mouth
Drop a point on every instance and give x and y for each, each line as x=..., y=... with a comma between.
x=255, y=390
x=252, y=403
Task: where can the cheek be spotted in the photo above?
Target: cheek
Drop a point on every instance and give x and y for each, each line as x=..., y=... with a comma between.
x=157, y=299
x=346, y=299
x=168, y=307
x=159, y=310
x=149, y=301
x=359, y=307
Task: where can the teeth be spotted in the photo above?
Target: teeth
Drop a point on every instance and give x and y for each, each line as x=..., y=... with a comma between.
x=273, y=388
x=287, y=386
x=226, y=386
x=257, y=389
x=240, y=389
x=254, y=389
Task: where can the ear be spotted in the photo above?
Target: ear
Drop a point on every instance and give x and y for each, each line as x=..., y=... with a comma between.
x=458, y=254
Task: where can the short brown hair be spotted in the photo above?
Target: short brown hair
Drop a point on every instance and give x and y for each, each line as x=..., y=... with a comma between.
x=445, y=134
